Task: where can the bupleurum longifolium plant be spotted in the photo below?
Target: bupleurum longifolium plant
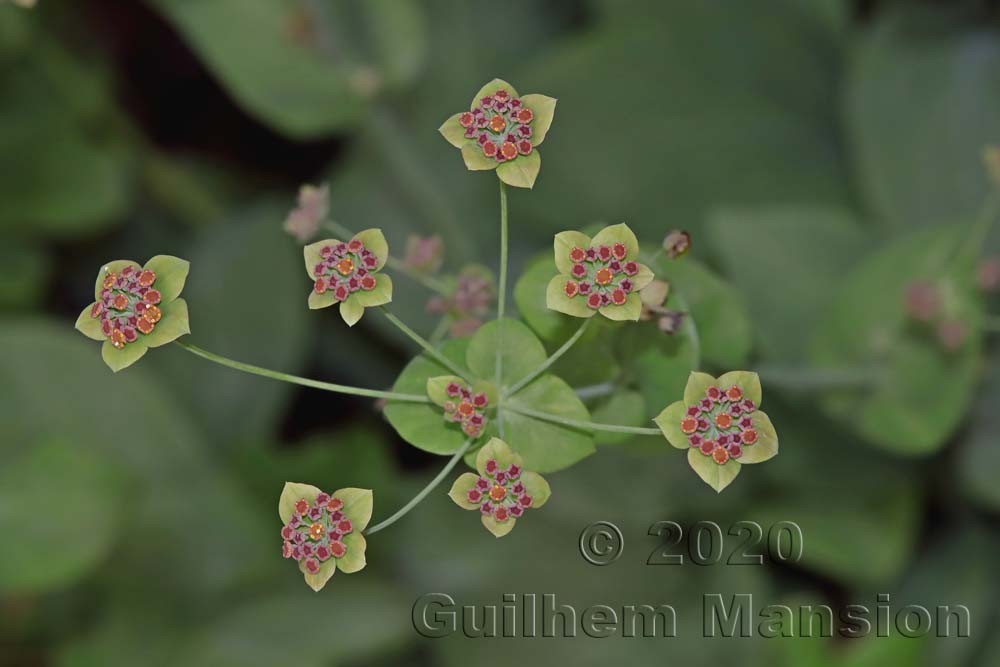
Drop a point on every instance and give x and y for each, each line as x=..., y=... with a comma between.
x=485, y=389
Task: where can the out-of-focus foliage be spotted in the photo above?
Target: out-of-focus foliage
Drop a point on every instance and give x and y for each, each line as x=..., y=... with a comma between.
x=805, y=144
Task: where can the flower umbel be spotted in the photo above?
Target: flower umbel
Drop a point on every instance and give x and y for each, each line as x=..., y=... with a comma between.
x=136, y=308
x=598, y=275
x=347, y=272
x=462, y=404
x=502, y=491
x=501, y=130
x=322, y=532
x=720, y=424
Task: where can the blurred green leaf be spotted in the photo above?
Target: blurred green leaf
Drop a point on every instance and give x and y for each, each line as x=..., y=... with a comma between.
x=717, y=308
x=979, y=456
x=623, y=407
x=247, y=297
x=920, y=392
x=188, y=522
x=742, y=111
x=423, y=424
x=24, y=267
x=547, y=447
x=296, y=65
x=59, y=506
x=784, y=261
x=922, y=102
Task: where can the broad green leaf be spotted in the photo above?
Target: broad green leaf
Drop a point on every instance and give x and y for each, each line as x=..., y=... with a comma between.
x=661, y=363
x=460, y=490
x=374, y=241
x=766, y=446
x=522, y=171
x=173, y=324
x=625, y=408
x=520, y=354
x=718, y=309
x=563, y=244
x=547, y=447
x=920, y=392
x=171, y=274
x=380, y=295
x=121, y=358
x=716, y=476
x=620, y=233
x=530, y=297
x=89, y=326
x=188, y=519
x=60, y=506
x=318, y=581
x=697, y=384
x=922, y=102
x=544, y=108
x=669, y=422
x=498, y=528
x=557, y=301
x=627, y=312
x=358, y=505
x=251, y=51
x=978, y=455
x=291, y=493
x=247, y=304
x=423, y=425
x=537, y=488
x=499, y=451
x=354, y=560
x=475, y=160
x=727, y=142
x=453, y=132
x=317, y=300
x=264, y=630
x=747, y=381
x=814, y=246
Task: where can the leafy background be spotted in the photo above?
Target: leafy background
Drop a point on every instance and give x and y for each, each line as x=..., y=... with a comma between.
x=819, y=152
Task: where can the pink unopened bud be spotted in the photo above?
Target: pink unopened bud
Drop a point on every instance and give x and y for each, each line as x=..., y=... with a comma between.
x=952, y=334
x=923, y=301
x=988, y=275
x=676, y=243
x=313, y=206
x=424, y=253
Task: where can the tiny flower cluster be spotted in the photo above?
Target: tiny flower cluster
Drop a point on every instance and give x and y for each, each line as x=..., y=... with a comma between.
x=127, y=305
x=315, y=533
x=501, y=125
x=469, y=303
x=500, y=492
x=601, y=275
x=345, y=268
x=466, y=408
x=721, y=425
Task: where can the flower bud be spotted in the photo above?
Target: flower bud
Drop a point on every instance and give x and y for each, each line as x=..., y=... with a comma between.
x=676, y=243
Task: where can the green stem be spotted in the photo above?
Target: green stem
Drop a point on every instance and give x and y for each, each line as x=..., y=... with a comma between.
x=423, y=493
x=396, y=264
x=973, y=243
x=551, y=360
x=430, y=349
x=440, y=330
x=596, y=390
x=305, y=382
x=585, y=425
x=501, y=299
x=821, y=379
